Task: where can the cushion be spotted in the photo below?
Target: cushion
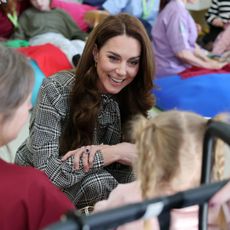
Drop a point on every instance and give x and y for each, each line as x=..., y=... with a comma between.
x=48, y=57
x=206, y=94
x=39, y=76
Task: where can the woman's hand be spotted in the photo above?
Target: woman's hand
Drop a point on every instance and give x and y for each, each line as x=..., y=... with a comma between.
x=124, y=153
x=86, y=153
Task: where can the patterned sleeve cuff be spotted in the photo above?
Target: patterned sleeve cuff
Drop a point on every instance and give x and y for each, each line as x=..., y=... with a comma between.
x=98, y=162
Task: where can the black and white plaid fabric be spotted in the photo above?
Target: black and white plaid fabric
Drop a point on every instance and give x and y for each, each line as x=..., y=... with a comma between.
x=41, y=148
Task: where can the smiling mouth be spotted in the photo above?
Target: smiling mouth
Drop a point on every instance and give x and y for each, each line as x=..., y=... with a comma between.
x=117, y=80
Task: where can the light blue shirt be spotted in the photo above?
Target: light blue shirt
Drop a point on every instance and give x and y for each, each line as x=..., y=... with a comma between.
x=132, y=7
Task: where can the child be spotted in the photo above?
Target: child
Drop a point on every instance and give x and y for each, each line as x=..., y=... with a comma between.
x=40, y=24
x=169, y=148
x=217, y=16
x=28, y=200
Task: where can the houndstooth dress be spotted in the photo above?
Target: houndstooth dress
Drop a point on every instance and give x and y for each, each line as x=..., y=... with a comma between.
x=41, y=148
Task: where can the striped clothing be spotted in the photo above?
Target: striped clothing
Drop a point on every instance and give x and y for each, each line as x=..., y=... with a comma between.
x=220, y=9
x=41, y=148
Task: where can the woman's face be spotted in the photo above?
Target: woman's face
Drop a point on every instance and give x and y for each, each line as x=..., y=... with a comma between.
x=12, y=126
x=42, y=5
x=117, y=63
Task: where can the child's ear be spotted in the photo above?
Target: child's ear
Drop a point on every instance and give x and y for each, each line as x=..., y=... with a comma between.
x=95, y=53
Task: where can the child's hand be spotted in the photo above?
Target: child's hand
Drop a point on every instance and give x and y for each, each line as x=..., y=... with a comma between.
x=218, y=22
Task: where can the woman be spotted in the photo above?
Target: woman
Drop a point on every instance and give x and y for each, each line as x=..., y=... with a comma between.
x=78, y=127
x=174, y=40
x=28, y=200
x=169, y=149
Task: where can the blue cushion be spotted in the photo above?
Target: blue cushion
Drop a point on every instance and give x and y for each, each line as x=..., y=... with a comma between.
x=207, y=95
x=39, y=76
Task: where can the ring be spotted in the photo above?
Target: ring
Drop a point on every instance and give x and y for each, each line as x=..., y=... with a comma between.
x=87, y=151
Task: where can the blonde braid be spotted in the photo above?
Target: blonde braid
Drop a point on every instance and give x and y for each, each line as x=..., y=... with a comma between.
x=219, y=157
x=144, y=136
x=218, y=167
x=219, y=161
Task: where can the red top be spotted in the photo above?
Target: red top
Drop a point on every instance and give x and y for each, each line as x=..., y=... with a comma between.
x=28, y=200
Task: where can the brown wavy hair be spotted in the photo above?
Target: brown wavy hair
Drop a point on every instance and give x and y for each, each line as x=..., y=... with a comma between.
x=136, y=98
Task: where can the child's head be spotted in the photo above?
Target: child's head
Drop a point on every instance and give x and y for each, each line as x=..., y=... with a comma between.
x=169, y=150
x=42, y=5
x=16, y=82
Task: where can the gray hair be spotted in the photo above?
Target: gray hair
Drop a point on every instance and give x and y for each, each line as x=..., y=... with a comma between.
x=16, y=80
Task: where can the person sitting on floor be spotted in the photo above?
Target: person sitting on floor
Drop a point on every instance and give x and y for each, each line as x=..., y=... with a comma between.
x=78, y=134
x=217, y=17
x=42, y=24
x=174, y=40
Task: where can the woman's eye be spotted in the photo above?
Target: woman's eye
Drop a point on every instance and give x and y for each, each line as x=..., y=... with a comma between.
x=113, y=58
x=134, y=63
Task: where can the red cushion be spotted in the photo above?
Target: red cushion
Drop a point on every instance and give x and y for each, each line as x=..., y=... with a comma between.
x=48, y=57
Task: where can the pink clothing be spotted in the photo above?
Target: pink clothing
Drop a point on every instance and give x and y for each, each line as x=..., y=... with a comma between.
x=75, y=10
x=222, y=43
x=181, y=219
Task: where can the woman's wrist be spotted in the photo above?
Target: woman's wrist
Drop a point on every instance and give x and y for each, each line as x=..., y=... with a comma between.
x=109, y=153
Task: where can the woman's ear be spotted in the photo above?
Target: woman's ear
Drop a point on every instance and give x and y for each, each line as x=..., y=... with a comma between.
x=95, y=53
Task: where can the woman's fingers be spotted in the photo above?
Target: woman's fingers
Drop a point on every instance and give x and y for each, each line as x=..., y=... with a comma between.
x=68, y=154
x=76, y=159
x=92, y=155
x=85, y=159
x=85, y=153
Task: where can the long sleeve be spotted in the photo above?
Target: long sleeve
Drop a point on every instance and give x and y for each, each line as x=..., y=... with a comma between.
x=220, y=9
x=21, y=31
x=34, y=22
x=41, y=149
x=212, y=11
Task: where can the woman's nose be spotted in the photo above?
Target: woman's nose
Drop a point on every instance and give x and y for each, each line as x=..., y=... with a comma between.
x=121, y=69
